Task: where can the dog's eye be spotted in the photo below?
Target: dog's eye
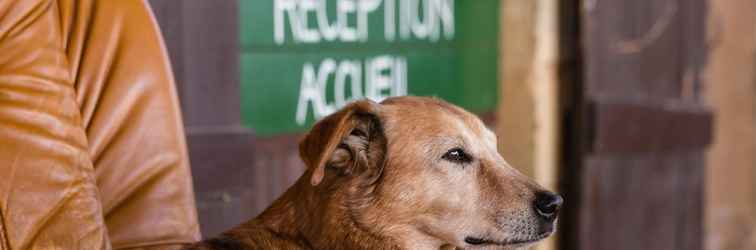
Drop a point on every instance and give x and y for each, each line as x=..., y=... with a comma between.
x=456, y=155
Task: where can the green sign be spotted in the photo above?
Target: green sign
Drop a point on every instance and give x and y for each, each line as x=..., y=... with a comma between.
x=303, y=59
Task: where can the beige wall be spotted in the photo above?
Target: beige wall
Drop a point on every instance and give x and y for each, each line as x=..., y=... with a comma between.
x=730, y=91
x=527, y=118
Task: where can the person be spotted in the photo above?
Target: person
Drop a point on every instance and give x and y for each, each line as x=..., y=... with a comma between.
x=92, y=147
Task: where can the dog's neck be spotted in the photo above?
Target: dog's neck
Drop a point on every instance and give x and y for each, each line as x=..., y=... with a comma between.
x=319, y=219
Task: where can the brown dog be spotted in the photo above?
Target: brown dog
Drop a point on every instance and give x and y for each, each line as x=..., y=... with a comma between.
x=409, y=173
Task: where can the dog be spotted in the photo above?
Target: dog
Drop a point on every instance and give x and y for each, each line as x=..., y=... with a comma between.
x=406, y=173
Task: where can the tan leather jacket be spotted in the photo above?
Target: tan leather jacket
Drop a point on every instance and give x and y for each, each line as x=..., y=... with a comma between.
x=92, y=150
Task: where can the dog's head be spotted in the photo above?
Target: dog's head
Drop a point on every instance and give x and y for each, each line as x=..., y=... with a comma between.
x=426, y=174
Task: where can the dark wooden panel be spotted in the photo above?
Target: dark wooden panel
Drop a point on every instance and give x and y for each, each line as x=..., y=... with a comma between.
x=221, y=158
x=224, y=178
x=645, y=201
x=658, y=42
x=230, y=184
x=692, y=14
x=279, y=158
x=211, y=62
x=690, y=197
x=169, y=17
x=636, y=47
x=203, y=43
x=236, y=175
x=603, y=24
x=637, y=128
x=219, y=211
x=571, y=97
x=647, y=127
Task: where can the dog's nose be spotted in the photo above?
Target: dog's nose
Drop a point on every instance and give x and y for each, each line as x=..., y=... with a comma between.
x=547, y=205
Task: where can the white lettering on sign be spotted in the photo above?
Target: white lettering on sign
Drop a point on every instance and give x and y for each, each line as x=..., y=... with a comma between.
x=389, y=19
x=353, y=71
x=307, y=34
x=385, y=76
x=419, y=19
x=436, y=14
x=365, y=8
x=376, y=78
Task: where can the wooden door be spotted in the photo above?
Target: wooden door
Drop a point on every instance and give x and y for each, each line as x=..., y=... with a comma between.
x=638, y=126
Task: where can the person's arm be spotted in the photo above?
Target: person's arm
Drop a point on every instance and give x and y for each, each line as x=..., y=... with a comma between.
x=130, y=111
x=48, y=195
x=92, y=150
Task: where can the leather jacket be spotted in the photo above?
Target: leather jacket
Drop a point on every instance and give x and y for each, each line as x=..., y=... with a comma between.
x=92, y=147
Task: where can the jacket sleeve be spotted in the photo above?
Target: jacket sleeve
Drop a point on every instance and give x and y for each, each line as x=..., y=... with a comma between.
x=130, y=112
x=48, y=195
x=92, y=150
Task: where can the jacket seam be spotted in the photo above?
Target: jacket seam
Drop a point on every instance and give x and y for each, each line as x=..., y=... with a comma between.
x=4, y=244
x=155, y=243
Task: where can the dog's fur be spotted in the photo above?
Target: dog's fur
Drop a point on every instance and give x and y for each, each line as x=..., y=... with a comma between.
x=377, y=178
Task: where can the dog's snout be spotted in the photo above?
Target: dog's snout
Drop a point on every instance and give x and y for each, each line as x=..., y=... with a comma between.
x=547, y=205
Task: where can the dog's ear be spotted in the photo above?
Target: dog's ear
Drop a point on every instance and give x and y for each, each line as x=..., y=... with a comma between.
x=343, y=140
